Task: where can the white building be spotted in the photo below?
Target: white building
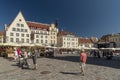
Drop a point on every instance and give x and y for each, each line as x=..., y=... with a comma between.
x=67, y=40
x=44, y=34
x=17, y=32
x=85, y=43
x=20, y=30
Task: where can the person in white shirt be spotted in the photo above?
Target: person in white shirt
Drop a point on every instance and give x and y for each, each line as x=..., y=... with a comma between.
x=16, y=54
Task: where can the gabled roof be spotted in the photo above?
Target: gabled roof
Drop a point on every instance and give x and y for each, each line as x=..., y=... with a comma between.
x=36, y=25
x=19, y=17
x=84, y=40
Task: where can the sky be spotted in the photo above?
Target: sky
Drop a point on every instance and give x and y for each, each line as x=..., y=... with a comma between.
x=85, y=18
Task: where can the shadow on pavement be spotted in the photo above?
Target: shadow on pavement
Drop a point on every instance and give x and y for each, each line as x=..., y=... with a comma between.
x=91, y=60
x=26, y=68
x=71, y=73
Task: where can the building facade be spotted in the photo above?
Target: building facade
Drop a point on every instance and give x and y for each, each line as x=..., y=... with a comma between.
x=67, y=40
x=85, y=43
x=43, y=34
x=17, y=32
x=1, y=37
x=115, y=38
x=25, y=32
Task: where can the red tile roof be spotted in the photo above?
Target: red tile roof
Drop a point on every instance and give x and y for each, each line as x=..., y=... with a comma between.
x=35, y=25
x=84, y=40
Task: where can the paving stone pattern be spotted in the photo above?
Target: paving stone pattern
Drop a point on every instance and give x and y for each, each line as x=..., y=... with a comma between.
x=62, y=67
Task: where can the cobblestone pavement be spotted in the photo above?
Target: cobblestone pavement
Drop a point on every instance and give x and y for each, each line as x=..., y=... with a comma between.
x=65, y=67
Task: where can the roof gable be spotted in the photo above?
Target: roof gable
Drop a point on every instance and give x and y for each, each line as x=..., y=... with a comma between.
x=19, y=19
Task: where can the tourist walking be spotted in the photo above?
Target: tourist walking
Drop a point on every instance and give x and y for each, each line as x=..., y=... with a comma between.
x=83, y=58
x=34, y=57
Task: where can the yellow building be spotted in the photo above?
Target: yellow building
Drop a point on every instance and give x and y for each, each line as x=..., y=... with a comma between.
x=1, y=37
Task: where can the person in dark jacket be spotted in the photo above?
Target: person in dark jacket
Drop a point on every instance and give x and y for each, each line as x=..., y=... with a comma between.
x=34, y=58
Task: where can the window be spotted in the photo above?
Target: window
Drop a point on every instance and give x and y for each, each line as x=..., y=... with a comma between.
x=25, y=30
x=51, y=41
x=22, y=40
x=18, y=29
x=27, y=40
x=11, y=34
x=22, y=25
x=13, y=29
x=41, y=36
x=22, y=30
x=45, y=33
x=37, y=31
x=41, y=41
x=37, y=36
x=11, y=39
x=45, y=36
x=68, y=43
x=17, y=39
x=32, y=31
x=37, y=41
x=17, y=34
x=76, y=43
x=22, y=35
x=27, y=35
x=18, y=24
x=68, y=38
x=72, y=43
x=45, y=41
x=41, y=32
